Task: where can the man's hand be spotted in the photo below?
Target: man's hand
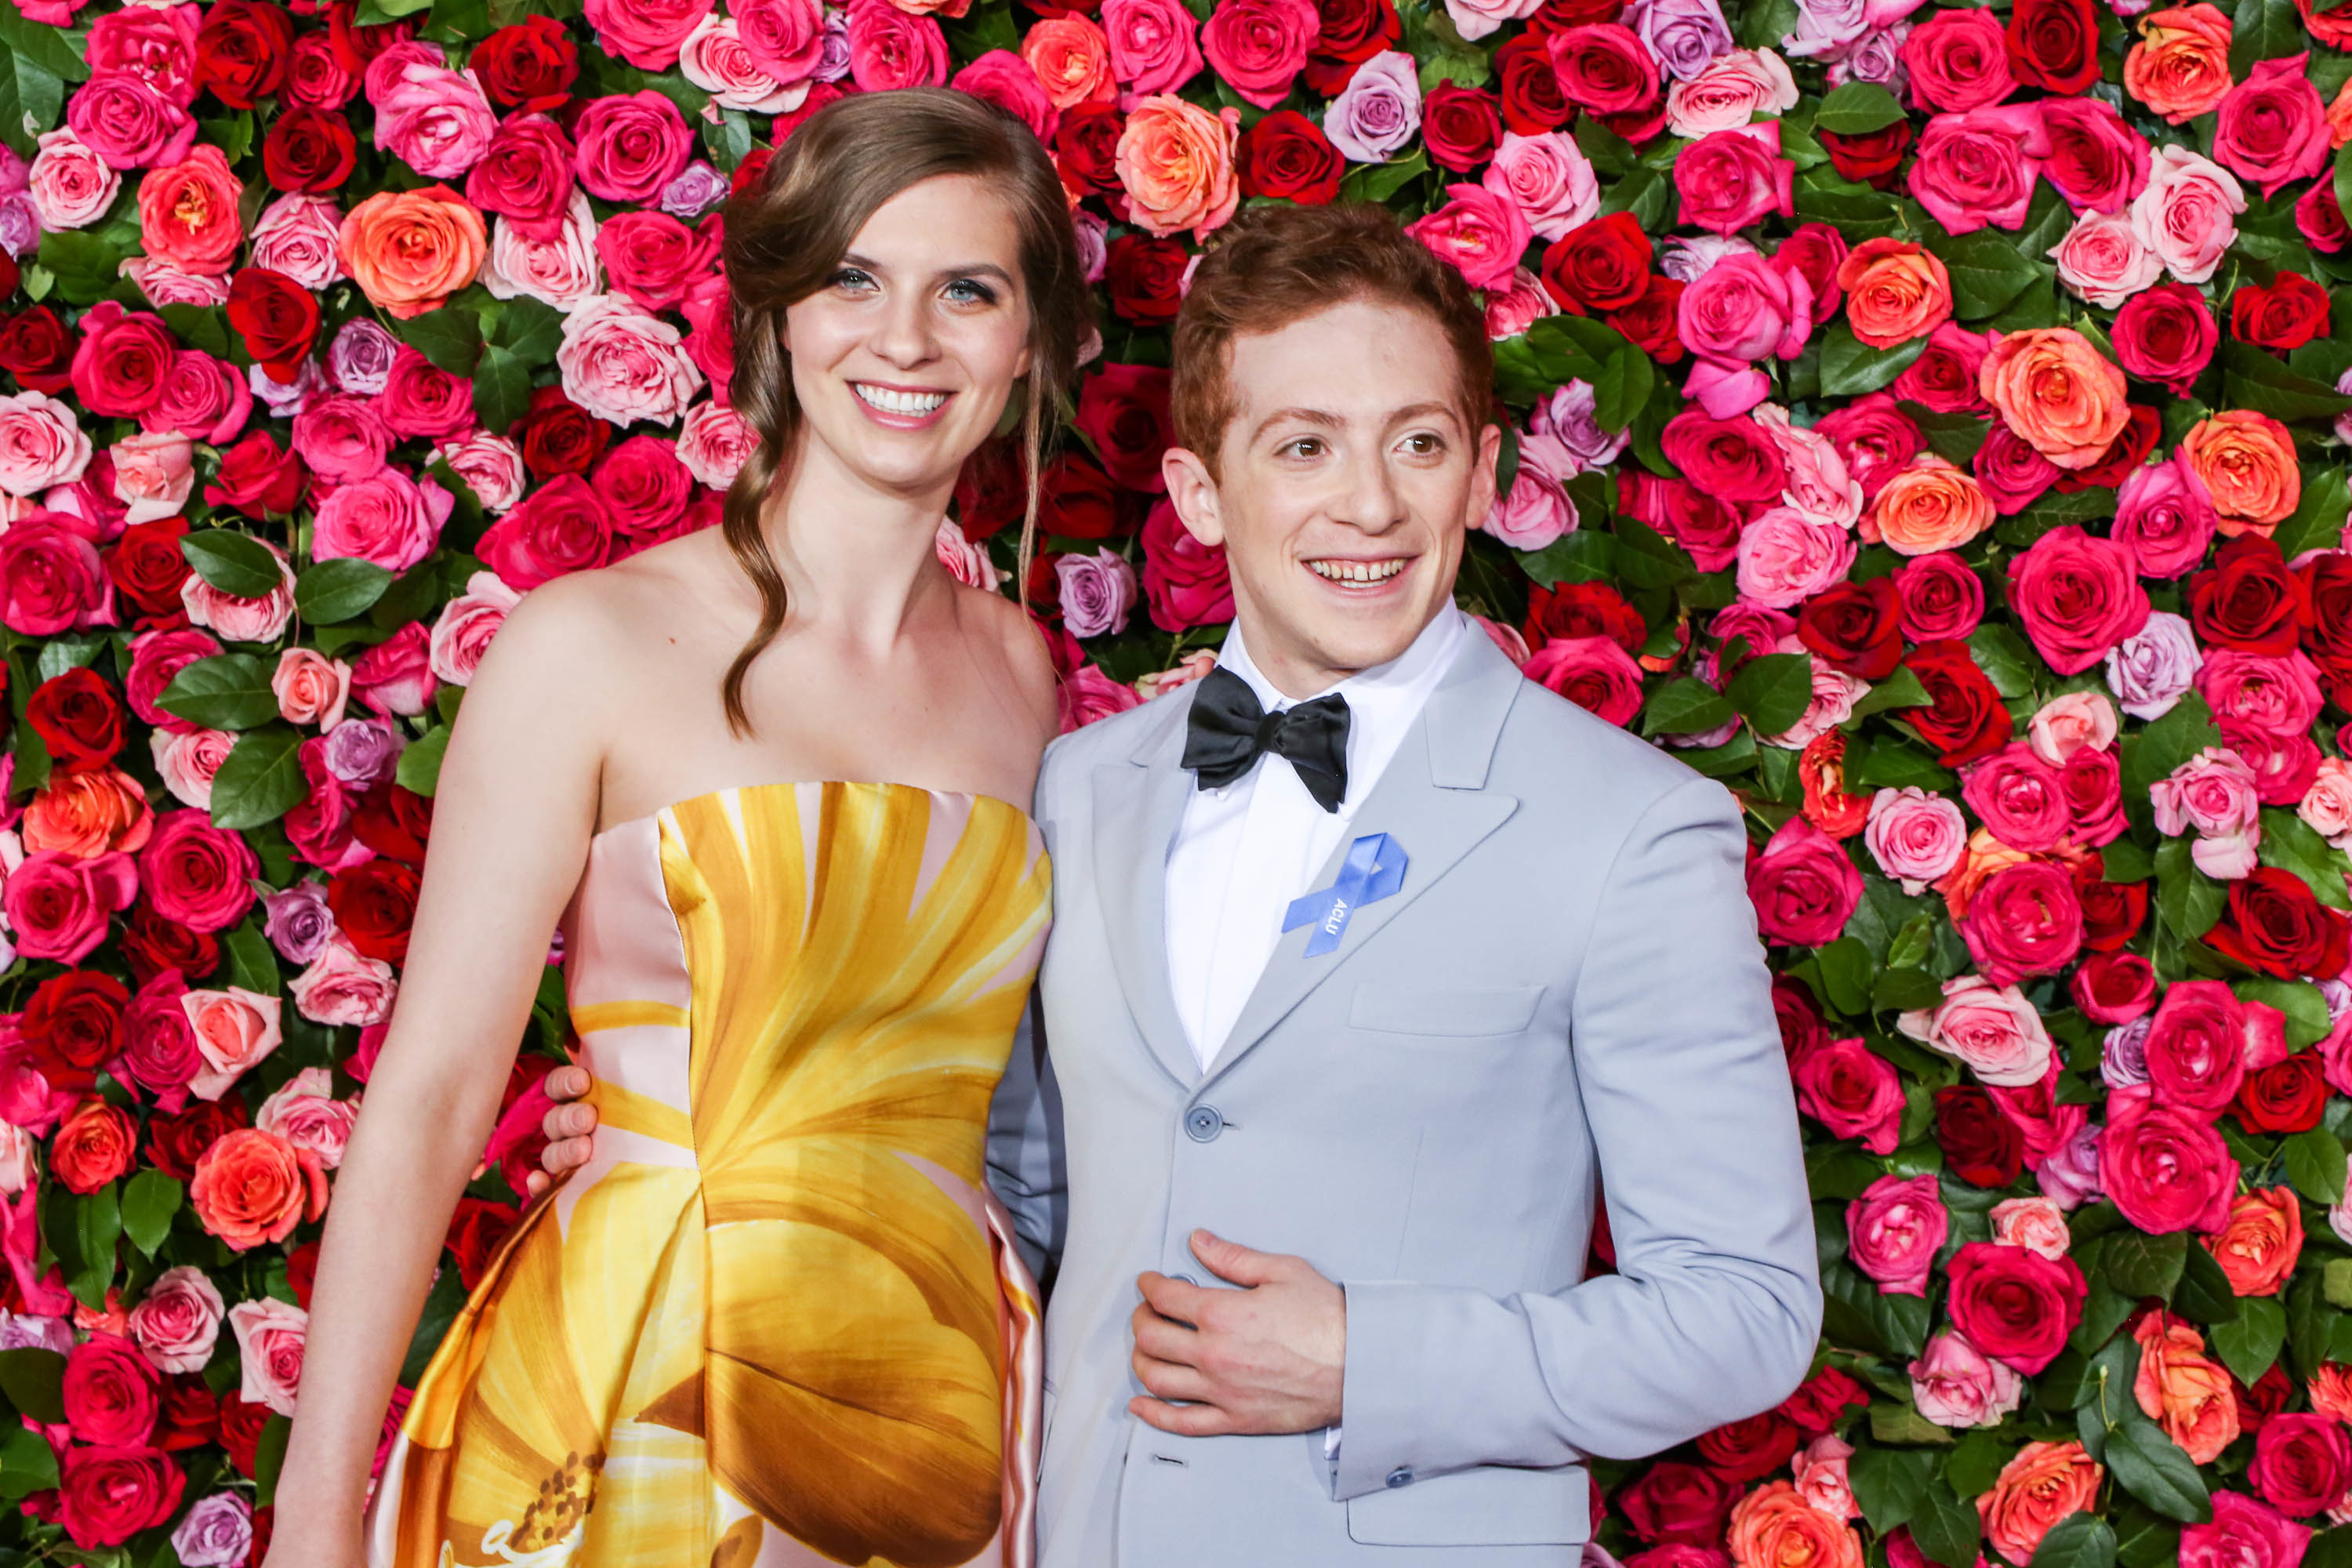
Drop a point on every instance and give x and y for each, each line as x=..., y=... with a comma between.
x=567, y=1126
x=1269, y=1357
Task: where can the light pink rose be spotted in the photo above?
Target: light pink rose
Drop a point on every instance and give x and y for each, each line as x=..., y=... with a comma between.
x=1915, y=836
x=177, y=1321
x=1956, y=1384
x=715, y=59
x=1992, y=1030
x=2070, y=723
x=491, y=465
x=2217, y=794
x=40, y=444
x=431, y=118
x=1835, y=694
x=563, y=272
x=71, y=186
x=387, y=518
x=468, y=623
x=342, y=988
x=1893, y=1231
x=1786, y=558
x=235, y=1029
x=187, y=760
x=1549, y=178
x=2188, y=213
x=714, y=443
x=306, y=1113
x=1475, y=19
x=1513, y=310
x=623, y=365
x=154, y=474
x=1820, y=485
x=311, y=688
x=297, y=236
x=1481, y=234
x=165, y=284
x=2326, y=806
x=1819, y=1469
x=2104, y=260
x=966, y=560
x=269, y=1335
x=1537, y=512
x=1730, y=91
x=2036, y=1224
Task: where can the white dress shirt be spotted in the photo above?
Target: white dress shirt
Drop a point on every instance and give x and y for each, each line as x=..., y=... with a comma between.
x=1243, y=852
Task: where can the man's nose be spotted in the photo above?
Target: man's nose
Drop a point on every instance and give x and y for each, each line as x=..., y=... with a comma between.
x=1371, y=498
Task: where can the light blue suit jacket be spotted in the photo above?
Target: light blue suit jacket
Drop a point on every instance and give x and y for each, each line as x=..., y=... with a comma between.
x=1566, y=997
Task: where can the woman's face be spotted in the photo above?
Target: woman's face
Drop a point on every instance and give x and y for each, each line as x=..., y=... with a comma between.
x=903, y=361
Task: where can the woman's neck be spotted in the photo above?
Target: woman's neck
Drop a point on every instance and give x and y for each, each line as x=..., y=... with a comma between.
x=856, y=560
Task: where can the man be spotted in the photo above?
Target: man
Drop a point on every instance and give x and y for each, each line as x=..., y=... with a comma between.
x=1372, y=964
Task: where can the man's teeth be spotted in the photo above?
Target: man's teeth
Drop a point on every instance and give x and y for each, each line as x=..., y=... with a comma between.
x=891, y=401
x=1356, y=571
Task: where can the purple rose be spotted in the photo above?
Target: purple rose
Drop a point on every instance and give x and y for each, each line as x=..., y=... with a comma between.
x=20, y=228
x=363, y=752
x=833, y=62
x=362, y=357
x=30, y=1331
x=1097, y=592
x=287, y=401
x=2122, y=1059
x=298, y=921
x=1687, y=35
x=1876, y=56
x=1564, y=438
x=2148, y=670
x=698, y=188
x=2070, y=1172
x=1378, y=110
x=218, y=1532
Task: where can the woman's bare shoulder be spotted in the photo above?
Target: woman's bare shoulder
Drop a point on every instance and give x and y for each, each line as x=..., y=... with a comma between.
x=1010, y=629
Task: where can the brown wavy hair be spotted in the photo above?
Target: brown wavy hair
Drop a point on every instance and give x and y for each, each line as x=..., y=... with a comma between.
x=786, y=234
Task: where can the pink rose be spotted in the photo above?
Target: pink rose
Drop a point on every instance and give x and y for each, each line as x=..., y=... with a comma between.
x=2273, y=128
x=491, y=465
x=237, y=619
x=188, y=213
x=203, y=399
x=785, y=38
x=2215, y=792
x=297, y=236
x=466, y=625
x=71, y=186
x=421, y=399
x=2036, y=1224
x=431, y=118
x=200, y=876
x=2166, y=1169
x=2070, y=723
x=1915, y=836
x=1185, y=582
x=622, y=365
x=2025, y=920
x=342, y=438
x=387, y=519
x=269, y=1335
x=2198, y=1046
x=235, y=1029
x=715, y=58
x=177, y=1321
x=1153, y=48
x=40, y=444
x=342, y=988
x=2187, y=214
x=2274, y=695
x=1595, y=673
x=1088, y=694
x=563, y=271
x=1851, y=1090
x=1956, y=1384
x=1537, y=512
x=1804, y=887
x=654, y=258
x=1259, y=46
x=1979, y=168
x=1481, y=234
x=396, y=676
x=2165, y=517
x=2326, y=806
x=714, y=443
x=1894, y=1230
x=186, y=761
x=1549, y=178
x=889, y=48
x=1729, y=92
x=57, y=904
x=2103, y=260
x=155, y=44
x=306, y=1113
x=647, y=33
x=2077, y=596
x=560, y=527
x=51, y=579
x=1743, y=308
x=1992, y=1030
x=2017, y=797
x=129, y=124
x=2097, y=162
x=631, y=145
x=1730, y=179
x=1786, y=558
x=153, y=475
x=2244, y=1533
x=311, y=688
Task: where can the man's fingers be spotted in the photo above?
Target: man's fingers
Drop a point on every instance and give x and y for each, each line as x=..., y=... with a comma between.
x=1242, y=1265
x=1168, y=1380
x=1185, y=1420
x=1171, y=1297
x=568, y=1083
x=1163, y=1338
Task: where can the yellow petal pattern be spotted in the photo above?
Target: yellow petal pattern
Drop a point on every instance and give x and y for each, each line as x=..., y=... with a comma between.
x=777, y=1323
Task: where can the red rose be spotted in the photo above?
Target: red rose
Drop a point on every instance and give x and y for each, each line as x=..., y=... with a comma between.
x=36, y=347
x=2123, y=456
x=93, y=1145
x=646, y=488
x=1944, y=377
x=530, y=64
x=121, y=361
x=1675, y=1501
x=2014, y=1304
x=395, y=822
x=1821, y=1401
x=1648, y=323
x=1604, y=68
x=1981, y=1146
x=1353, y=32
x=1145, y=277
x=1802, y=1028
x=1077, y=500
x=308, y=150
x=302, y=1272
x=2286, y=315
x=191, y=1415
x=1595, y=673
x=2111, y=911
x=1857, y=626
x=2273, y=923
x=175, y=1144
x=475, y=1232
x=256, y=479
x=1942, y=599
x=197, y=874
x=1731, y=460
x=79, y=718
x=1746, y=1451
x=992, y=490
x=558, y=436
x=1185, y=582
x=559, y=528
x=2166, y=333
x=105, y=1495
x=146, y=567
x=2287, y=1096
x=2248, y=599
x=1583, y=610
x=1287, y=155
x=241, y=51
x=2054, y=44
x=278, y=319
x=2303, y=1463
x=1529, y=87
x=112, y=1395
x=240, y=1432
x=2077, y=596
x=1123, y=411
x=2012, y=472
x=1707, y=526
x=1086, y=151
x=374, y=904
x=151, y=944
x=2321, y=220
x=1460, y=126
x=1872, y=158
x=72, y=1023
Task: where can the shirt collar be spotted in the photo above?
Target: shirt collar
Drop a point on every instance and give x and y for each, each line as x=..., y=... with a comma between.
x=1383, y=701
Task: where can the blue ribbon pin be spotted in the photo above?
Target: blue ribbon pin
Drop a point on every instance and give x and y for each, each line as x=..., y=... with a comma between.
x=1374, y=870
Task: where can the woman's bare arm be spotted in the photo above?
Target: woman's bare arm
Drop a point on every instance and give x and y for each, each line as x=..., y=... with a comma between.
x=516, y=806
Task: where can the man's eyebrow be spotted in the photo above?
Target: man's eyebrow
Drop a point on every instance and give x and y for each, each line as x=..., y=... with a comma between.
x=1424, y=410
x=1321, y=417
x=965, y=269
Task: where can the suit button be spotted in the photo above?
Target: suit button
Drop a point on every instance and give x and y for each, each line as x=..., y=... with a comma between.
x=1401, y=1477
x=1202, y=1123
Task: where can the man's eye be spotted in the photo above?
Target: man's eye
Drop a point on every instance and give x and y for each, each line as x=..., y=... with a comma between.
x=1425, y=444
x=1304, y=446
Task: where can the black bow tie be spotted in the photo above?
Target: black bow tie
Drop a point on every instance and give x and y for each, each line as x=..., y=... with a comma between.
x=1229, y=730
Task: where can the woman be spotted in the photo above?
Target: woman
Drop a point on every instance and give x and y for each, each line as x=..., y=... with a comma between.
x=775, y=1322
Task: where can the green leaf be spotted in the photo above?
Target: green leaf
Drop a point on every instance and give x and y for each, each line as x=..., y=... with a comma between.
x=269, y=1459
x=531, y=330
x=2204, y=1294
x=1764, y=23
x=501, y=389
x=1685, y=706
x=32, y=97
x=2317, y=520
x=1987, y=271
x=2189, y=900
x=1857, y=108
x=1626, y=377
x=1846, y=969
x=1976, y=1463
x=227, y=691
x=252, y=963
x=2261, y=30
x=98, y=1225
x=149, y=1202
x=1887, y=1483
x=2153, y=1468
x=2140, y=1264
x=53, y=50
x=419, y=769
x=2252, y=378
x=1903, y=1424
x=2077, y=1541
x=1772, y=692
x=2293, y=845
x=27, y=1463
x=451, y=337
x=2005, y=659
x=202, y=326
x=262, y=779
x=1889, y=763
x=339, y=589
x=2306, y=1009
x=1900, y=689
x=2310, y=1322
x=34, y=1379
x=233, y=562
x=1946, y=1525
x=2314, y=1165
x=1850, y=368
x=1954, y=437
x=2249, y=1344
x=442, y=1305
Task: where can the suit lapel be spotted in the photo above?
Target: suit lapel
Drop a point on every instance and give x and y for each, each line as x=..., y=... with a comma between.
x=1137, y=805
x=1432, y=802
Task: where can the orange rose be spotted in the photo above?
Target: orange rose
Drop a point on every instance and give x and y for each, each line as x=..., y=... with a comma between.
x=2043, y=1485
x=1072, y=58
x=2247, y=461
x=93, y=1145
x=409, y=250
x=2339, y=117
x=1774, y=1527
x=1928, y=506
x=2061, y=395
x=2331, y=1391
x=89, y=814
x=2181, y=66
x=1894, y=292
x=253, y=1186
x=2257, y=1247
x=2180, y=1388
x=1177, y=165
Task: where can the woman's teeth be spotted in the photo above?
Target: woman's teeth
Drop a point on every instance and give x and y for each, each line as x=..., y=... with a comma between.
x=892, y=402
x=1356, y=571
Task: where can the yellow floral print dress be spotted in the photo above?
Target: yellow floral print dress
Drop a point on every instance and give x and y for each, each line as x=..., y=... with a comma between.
x=778, y=1320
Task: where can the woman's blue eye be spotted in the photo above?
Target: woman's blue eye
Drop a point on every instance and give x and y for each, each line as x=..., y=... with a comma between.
x=851, y=278
x=971, y=291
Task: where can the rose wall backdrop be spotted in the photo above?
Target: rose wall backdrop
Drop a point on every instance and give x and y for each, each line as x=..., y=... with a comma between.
x=1925, y=418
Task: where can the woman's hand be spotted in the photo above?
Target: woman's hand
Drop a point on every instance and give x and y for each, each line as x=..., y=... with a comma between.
x=567, y=1126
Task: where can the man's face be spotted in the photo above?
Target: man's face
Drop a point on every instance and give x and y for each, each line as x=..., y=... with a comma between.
x=1349, y=476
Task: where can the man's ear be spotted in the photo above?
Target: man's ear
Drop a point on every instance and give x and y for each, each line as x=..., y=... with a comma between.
x=1482, y=474
x=1195, y=494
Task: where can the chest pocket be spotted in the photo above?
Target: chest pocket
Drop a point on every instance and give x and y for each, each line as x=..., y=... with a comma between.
x=1458, y=1011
